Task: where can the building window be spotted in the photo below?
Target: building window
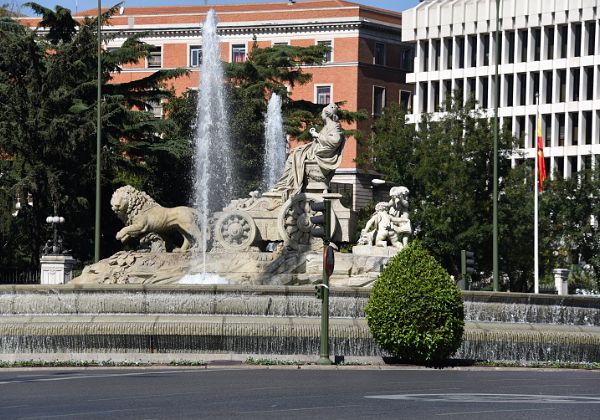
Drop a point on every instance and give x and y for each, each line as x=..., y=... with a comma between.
x=460, y=46
x=485, y=40
x=537, y=43
x=195, y=55
x=576, y=81
x=473, y=50
x=562, y=41
x=406, y=100
x=378, y=100
x=535, y=80
x=278, y=44
x=407, y=59
x=323, y=95
x=435, y=88
x=523, y=43
x=591, y=33
x=155, y=108
x=238, y=53
x=327, y=58
x=154, y=58
x=589, y=83
x=379, y=57
x=562, y=85
x=425, y=55
x=550, y=44
x=521, y=80
x=576, y=39
x=449, y=47
x=346, y=190
x=510, y=40
x=561, y=129
x=548, y=79
x=437, y=50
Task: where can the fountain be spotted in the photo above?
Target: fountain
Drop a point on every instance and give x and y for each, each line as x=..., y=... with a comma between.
x=133, y=306
x=213, y=167
x=275, y=143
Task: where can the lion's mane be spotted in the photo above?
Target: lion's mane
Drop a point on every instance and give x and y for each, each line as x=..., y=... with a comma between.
x=138, y=202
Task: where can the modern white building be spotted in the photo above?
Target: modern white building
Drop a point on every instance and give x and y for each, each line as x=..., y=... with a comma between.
x=547, y=46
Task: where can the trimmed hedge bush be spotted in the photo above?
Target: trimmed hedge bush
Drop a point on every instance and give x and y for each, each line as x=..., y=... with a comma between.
x=415, y=310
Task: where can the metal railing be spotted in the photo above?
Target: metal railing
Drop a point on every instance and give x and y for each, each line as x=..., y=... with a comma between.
x=8, y=276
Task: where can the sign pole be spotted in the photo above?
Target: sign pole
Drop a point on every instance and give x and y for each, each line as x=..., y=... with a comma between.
x=327, y=270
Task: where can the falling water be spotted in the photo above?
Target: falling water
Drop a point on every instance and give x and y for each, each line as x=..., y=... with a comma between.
x=275, y=143
x=213, y=181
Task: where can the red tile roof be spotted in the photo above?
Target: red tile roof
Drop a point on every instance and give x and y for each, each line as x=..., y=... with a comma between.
x=248, y=7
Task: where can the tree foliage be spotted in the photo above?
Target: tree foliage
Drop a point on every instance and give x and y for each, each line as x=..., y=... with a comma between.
x=447, y=165
x=48, y=103
x=415, y=310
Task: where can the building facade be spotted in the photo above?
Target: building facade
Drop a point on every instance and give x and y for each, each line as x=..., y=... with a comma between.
x=547, y=47
x=366, y=67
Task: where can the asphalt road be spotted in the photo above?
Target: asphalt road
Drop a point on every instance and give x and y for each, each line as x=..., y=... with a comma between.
x=276, y=393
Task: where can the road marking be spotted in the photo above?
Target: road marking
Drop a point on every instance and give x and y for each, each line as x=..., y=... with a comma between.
x=300, y=409
x=462, y=413
x=87, y=413
x=492, y=398
x=110, y=375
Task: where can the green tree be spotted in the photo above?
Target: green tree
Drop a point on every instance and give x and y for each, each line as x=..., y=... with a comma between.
x=48, y=131
x=447, y=166
x=569, y=212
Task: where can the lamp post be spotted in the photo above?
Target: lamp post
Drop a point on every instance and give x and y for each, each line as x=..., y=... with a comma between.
x=98, y=138
x=54, y=221
x=495, y=158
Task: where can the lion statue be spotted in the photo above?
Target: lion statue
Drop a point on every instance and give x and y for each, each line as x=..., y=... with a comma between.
x=143, y=216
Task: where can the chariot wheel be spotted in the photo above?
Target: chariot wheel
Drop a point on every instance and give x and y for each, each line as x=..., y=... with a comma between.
x=235, y=230
x=294, y=221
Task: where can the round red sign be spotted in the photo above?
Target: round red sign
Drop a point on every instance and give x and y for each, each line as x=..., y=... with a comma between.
x=328, y=260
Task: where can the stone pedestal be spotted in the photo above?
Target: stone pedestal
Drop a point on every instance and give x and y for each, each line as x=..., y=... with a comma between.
x=561, y=276
x=374, y=251
x=56, y=269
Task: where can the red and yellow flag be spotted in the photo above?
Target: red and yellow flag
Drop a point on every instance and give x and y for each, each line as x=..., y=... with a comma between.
x=540, y=154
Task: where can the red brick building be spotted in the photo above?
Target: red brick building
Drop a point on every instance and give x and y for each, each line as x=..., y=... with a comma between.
x=366, y=68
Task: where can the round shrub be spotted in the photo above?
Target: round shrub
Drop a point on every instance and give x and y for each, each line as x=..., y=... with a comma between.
x=415, y=310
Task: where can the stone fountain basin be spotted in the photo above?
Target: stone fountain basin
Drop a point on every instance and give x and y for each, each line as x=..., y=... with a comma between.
x=139, y=320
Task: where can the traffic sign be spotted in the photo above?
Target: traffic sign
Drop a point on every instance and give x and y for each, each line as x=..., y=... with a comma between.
x=328, y=260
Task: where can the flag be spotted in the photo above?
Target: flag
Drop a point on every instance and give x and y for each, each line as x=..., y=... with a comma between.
x=540, y=154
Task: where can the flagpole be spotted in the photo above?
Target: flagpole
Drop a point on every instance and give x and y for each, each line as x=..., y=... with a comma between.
x=536, y=267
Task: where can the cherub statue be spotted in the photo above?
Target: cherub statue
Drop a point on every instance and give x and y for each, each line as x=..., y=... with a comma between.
x=390, y=224
x=399, y=213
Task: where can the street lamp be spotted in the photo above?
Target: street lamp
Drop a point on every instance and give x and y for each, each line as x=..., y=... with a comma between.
x=54, y=221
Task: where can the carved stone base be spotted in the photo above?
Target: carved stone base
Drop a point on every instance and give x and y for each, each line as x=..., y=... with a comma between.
x=56, y=269
x=266, y=268
x=375, y=251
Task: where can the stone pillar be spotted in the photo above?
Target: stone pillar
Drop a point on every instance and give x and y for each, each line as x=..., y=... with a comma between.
x=57, y=269
x=561, y=276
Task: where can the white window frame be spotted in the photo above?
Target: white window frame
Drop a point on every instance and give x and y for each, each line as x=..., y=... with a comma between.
x=157, y=109
x=330, y=40
x=375, y=53
x=161, y=58
x=190, y=46
x=410, y=100
x=330, y=86
x=232, y=45
x=383, y=102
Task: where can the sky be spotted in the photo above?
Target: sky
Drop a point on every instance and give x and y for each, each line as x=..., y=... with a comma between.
x=396, y=5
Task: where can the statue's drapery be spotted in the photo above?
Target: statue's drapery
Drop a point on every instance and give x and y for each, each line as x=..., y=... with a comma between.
x=325, y=149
